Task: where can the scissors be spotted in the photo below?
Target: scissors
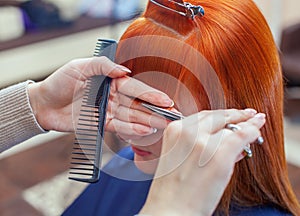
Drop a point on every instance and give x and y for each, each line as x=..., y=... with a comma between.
x=173, y=116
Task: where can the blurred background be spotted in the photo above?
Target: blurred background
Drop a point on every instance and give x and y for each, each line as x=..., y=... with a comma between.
x=38, y=36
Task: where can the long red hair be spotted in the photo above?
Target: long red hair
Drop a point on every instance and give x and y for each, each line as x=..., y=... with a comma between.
x=238, y=67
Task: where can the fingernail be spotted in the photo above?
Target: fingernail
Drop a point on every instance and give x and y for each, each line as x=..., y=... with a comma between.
x=260, y=116
x=172, y=103
x=251, y=111
x=168, y=102
x=123, y=68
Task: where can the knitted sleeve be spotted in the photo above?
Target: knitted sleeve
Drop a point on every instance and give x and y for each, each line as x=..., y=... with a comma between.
x=17, y=121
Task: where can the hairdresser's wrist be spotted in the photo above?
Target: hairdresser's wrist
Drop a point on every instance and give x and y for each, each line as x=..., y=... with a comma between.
x=34, y=98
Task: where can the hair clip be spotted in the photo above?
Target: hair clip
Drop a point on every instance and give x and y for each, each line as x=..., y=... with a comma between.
x=190, y=10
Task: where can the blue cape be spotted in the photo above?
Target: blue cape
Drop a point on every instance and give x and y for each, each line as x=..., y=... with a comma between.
x=126, y=194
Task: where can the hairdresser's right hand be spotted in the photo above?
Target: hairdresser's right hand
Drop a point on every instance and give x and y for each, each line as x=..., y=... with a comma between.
x=56, y=100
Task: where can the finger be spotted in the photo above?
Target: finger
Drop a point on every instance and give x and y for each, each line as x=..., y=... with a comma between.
x=257, y=122
x=130, y=129
x=137, y=105
x=99, y=66
x=137, y=89
x=127, y=109
x=236, y=141
x=215, y=120
x=132, y=103
x=139, y=117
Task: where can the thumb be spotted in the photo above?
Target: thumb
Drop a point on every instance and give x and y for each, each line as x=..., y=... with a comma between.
x=102, y=66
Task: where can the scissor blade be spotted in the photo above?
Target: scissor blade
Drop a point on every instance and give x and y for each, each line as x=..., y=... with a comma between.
x=163, y=112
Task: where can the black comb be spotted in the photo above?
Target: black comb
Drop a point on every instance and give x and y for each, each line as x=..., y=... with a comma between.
x=87, y=150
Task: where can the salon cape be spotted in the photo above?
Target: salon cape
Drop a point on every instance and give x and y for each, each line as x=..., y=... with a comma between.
x=113, y=196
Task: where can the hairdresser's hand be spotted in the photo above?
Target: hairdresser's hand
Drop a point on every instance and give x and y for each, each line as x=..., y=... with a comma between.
x=56, y=101
x=199, y=155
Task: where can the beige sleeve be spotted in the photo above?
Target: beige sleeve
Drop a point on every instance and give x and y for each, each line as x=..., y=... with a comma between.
x=17, y=121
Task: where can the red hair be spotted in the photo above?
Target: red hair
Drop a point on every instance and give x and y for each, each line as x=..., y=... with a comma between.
x=238, y=68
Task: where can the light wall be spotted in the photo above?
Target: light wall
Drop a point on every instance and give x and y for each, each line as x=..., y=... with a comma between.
x=280, y=14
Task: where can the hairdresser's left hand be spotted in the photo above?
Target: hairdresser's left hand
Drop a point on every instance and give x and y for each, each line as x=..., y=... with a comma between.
x=197, y=160
x=56, y=101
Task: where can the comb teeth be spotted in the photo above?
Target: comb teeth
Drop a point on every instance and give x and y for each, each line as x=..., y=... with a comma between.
x=86, y=154
x=106, y=48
